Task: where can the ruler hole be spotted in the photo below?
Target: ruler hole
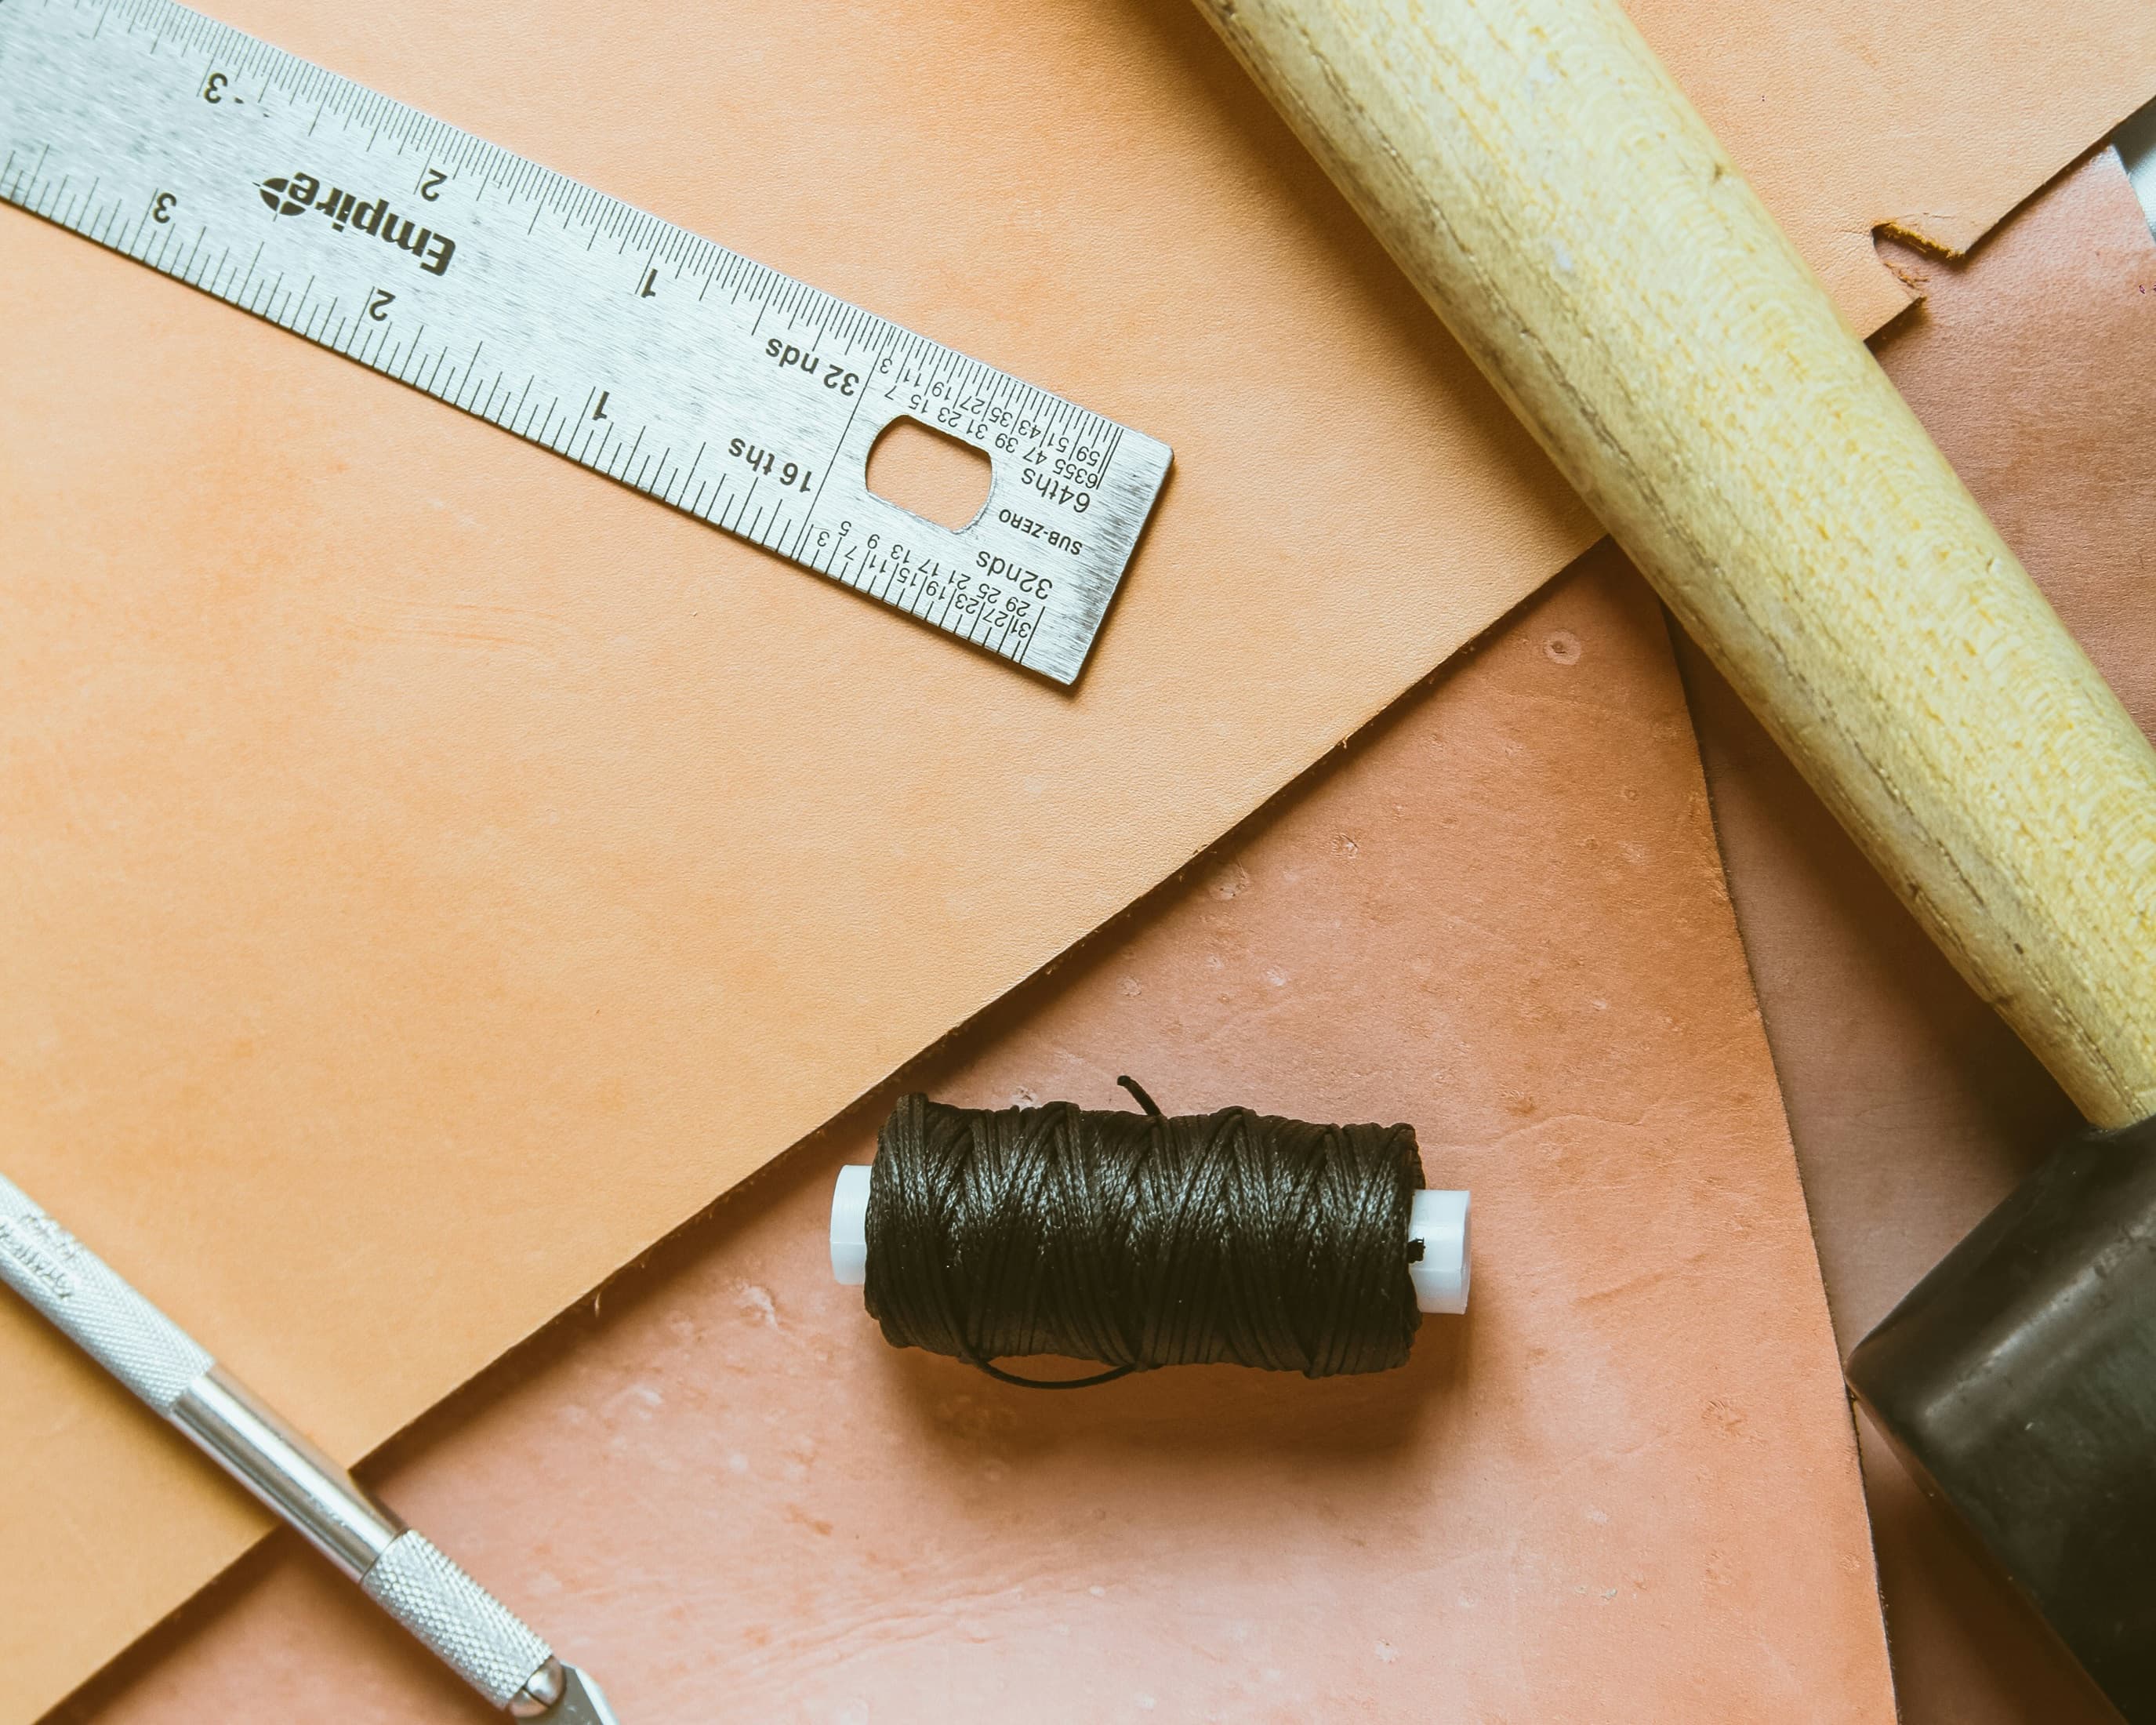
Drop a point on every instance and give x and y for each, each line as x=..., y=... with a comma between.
x=929, y=473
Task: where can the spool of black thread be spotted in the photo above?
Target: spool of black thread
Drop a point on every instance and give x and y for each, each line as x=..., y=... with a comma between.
x=1140, y=1240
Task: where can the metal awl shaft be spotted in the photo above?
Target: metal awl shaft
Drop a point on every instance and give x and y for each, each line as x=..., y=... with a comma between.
x=474, y=1632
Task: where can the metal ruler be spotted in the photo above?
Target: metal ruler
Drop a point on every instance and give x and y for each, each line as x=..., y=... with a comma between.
x=633, y=347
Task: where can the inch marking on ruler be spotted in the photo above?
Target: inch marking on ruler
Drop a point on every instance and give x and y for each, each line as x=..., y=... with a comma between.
x=630, y=346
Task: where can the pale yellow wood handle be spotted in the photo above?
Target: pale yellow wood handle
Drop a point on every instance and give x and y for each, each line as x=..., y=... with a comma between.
x=1569, y=216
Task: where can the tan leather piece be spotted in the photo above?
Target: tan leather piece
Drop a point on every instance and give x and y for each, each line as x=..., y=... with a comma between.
x=1893, y=75
x=1622, y=1489
x=1913, y=1109
x=438, y=872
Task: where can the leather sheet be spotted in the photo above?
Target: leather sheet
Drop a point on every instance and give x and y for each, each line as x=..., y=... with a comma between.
x=1913, y=1110
x=1622, y=1489
x=435, y=873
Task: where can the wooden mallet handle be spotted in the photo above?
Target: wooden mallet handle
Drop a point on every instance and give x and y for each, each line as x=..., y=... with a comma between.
x=1567, y=213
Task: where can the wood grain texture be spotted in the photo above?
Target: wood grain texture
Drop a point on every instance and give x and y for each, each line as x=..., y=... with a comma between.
x=1563, y=208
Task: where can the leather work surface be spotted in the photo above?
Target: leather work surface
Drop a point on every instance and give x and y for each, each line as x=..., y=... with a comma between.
x=438, y=873
x=1622, y=1488
x=1914, y=1108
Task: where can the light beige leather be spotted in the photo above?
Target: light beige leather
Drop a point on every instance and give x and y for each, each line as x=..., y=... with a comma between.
x=434, y=873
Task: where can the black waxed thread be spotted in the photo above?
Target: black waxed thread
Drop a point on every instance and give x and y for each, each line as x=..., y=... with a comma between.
x=1141, y=1241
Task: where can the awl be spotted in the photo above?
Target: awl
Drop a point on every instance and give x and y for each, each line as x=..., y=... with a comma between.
x=474, y=1633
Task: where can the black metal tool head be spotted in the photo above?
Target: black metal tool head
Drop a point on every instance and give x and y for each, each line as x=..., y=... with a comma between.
x=2018, y=1380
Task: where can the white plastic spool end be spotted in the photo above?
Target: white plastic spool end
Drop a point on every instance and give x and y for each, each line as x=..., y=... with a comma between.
x=1439, y=1219
x=849, y=1227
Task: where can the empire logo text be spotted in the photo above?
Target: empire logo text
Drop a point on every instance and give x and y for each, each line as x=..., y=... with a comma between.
x=294, y=194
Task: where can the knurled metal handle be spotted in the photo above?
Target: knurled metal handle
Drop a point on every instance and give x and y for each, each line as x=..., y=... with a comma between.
x=473, y=1633
x=88, y=1303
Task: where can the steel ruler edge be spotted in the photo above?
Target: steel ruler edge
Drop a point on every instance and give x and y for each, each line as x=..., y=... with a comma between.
x=567, y=317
